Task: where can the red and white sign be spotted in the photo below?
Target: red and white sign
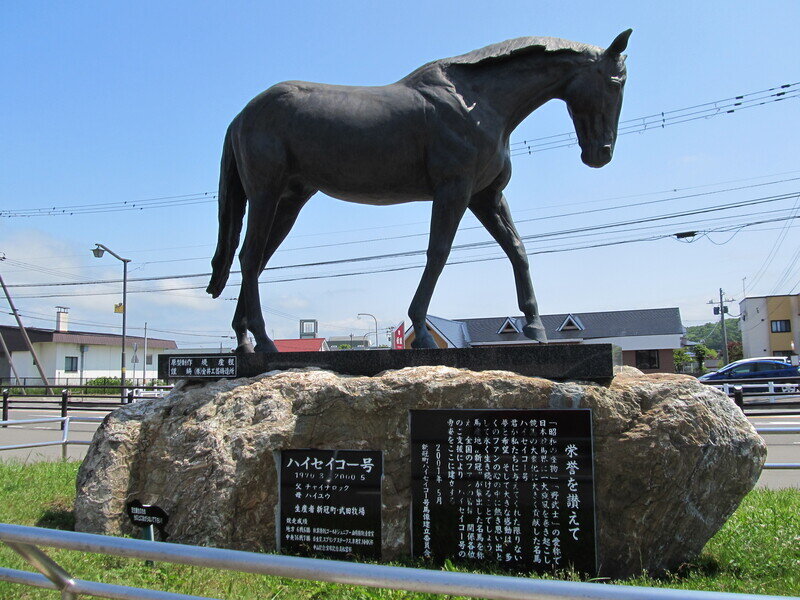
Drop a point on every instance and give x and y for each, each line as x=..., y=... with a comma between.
x=399, y=337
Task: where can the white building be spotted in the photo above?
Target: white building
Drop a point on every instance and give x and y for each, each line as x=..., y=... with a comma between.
x=75, y=357
x=770, y=325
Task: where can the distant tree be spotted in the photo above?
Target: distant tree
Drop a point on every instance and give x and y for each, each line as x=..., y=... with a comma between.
x=682, y=359
x=735, y=351
x=710, y=334
x=701, y=353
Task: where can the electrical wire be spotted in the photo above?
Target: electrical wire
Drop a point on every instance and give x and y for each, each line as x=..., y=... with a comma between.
x=772, y=253
x=404, y=254
x=416, y=266
x=525, y=147
x=667, y=118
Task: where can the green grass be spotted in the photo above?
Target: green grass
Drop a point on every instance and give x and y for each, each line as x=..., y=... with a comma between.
x=757, y=551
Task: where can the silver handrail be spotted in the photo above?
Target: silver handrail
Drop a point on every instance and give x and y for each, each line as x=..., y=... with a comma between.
x=63, y=442
x=399, y=578
x=779, y=431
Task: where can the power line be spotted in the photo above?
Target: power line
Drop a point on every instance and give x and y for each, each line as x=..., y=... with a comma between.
x=667, y=118
x=28, y=314
x=560, y=215
x=160, y=202
x=419, y=266
x=384, y=238
x=771, y=254
x=722, y=207
x=636, y=125
x=713, y=103
x=517, y=221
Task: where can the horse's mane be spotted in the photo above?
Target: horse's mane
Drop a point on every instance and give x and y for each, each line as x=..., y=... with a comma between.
x=510, y=48
x=520, y=45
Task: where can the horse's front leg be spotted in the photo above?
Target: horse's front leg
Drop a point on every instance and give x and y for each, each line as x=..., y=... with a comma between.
x=491, y=209
x=450, y=200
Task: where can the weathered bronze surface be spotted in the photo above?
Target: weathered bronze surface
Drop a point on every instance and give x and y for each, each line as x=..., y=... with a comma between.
x=440, y=134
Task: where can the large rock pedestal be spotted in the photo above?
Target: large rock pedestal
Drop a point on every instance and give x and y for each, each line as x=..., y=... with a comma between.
x=673, y=458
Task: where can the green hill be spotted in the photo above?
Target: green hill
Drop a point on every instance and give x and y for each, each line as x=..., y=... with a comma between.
x=710, y=334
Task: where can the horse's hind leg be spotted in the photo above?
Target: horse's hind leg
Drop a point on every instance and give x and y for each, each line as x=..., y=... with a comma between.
x=239, y=324
x=289, y=208
x=286, y=213
x=492, y=211
x=264, y=183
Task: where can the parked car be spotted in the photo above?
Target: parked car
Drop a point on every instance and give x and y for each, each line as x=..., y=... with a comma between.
x=754, y=368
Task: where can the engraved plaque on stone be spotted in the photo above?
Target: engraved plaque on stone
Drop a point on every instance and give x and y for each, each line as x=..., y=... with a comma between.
x=330, y=503
x=510, y=487
x=202, y=367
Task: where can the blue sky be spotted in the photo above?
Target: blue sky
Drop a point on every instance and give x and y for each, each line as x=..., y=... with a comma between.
x=114, y=102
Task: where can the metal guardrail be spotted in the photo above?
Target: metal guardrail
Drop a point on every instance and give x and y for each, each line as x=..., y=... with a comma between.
x=779, y=431
x=772, y=389
x=63, y=442
x=86, y=402
x=765, y=387
x=25, y=541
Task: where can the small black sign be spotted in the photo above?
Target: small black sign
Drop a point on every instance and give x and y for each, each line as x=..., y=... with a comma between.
x=144, y=515
x=202, y=367
x=330, y=503
x=513, y=487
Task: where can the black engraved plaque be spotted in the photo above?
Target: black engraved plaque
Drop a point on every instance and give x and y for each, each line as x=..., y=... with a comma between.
x=514, y=487
x=330, y=503
x=144, y=515
x=202, y=367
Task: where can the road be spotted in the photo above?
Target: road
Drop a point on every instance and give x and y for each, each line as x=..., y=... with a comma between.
x=46, y=432
x=782, y=448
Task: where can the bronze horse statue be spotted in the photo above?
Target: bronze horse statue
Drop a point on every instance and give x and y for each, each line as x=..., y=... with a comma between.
x=440, y=134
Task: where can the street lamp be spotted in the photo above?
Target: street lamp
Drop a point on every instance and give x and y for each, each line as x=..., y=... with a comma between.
x=376, y=326
x=98, y=252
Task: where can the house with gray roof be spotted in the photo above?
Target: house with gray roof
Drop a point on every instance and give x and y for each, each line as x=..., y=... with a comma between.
x=646, y=337
x=74, y=357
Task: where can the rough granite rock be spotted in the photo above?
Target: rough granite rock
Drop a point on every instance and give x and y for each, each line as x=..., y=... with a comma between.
x=673, y=458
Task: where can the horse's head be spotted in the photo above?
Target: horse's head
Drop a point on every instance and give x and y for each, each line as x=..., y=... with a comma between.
x=594, y=99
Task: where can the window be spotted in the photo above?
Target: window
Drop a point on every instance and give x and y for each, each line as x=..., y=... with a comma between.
x=647, y=359
x=781, y=326
x=742, y=370
x=71, y=364
x=148, y=360
x=571, y=323
x=509, y=326
x=768, y=366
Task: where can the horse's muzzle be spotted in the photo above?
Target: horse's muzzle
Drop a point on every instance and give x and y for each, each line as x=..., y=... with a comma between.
x=597, y=156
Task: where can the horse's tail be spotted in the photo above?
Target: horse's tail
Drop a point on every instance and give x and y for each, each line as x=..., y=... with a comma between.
x=232, y=204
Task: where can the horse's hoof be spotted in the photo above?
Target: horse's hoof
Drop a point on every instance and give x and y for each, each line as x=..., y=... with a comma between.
x=246, y=348
x=424, y=343
x=535, y=333
x=266, y=347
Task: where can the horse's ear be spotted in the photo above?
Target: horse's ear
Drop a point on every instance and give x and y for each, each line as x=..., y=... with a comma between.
x=619, y=44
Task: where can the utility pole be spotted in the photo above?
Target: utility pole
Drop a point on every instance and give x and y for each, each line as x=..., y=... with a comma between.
x=144, y=368
x=721, y=310
x=25, y=336
x=11, y=363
